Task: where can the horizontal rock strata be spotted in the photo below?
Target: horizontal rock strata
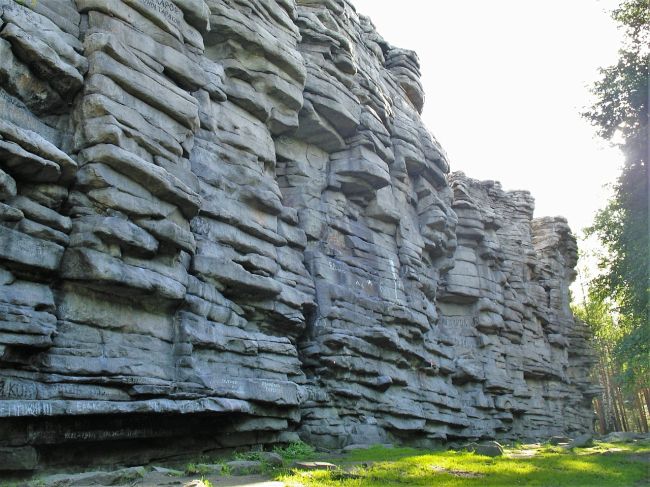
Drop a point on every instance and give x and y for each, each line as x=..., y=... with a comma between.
x=224, y=224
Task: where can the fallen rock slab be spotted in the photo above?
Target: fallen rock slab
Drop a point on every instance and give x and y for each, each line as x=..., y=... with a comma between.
x=488, y=448
x=244, y=467
x=116, y=477
x=557, y=440
x=271, y=458
x=624, y=437
x=581, y=441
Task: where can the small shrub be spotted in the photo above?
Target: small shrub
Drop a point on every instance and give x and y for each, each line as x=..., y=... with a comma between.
x=194, y=469
x=295, y=451
x=252, y=456
x=548, y=448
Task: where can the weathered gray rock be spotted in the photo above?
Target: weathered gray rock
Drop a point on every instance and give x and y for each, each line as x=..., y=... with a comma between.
x=581, y=441
x=19, y=459
x=170, y=472
x=271, y=458
x=195, y=483
x=487, y=448
x=244, y=467
x=556, y=440
x=114, y=477
x=624, y=437
x=224, y=224
x=210, y=468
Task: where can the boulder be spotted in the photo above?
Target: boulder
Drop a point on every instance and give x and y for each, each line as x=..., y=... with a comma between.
x=271, y=458
x=581, y=441
x=487, y=448
x=115, y=477
x=623, y=437
x=244, y=467
x=19, y=459
x=557, y=440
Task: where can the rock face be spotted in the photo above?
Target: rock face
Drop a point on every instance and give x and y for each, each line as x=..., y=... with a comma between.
x=223, y=223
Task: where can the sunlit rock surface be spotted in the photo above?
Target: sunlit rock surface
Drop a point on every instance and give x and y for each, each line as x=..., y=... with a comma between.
x=223, y=223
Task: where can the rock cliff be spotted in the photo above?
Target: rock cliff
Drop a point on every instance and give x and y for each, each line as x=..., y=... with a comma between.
x=223, y=223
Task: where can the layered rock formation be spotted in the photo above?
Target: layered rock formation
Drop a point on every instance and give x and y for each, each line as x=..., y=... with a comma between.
x=224, y=224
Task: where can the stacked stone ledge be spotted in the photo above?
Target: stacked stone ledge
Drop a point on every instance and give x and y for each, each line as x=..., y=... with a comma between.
x=223, y=224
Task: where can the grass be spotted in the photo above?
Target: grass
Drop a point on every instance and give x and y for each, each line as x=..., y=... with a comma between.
x=248, y=455
x=619, y=465
x=546, y=448
x=293, y=451
x=600, y=465
x=196, y=469
x=296, y=451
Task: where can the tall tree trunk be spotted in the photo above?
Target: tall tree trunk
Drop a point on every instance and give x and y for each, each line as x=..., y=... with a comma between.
x=642, y=414
x=618, y=419
x=602, y=422
x=612, y=393
x=611, y=416
x=625, y=422
x=646, y=394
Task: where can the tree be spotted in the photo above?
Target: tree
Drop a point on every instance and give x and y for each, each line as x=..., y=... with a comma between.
x=617, y=409
x=620, y=114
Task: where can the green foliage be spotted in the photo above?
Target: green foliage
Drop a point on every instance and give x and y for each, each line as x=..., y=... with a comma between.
x=196, y=469
x=623, y=230
x=248, y=456
x=622, y=465
x=381, y=453
x=623, y=227
x=634, y=17
x=608, y=331
x=295, y=451
x=622, y=92
x=552, y=449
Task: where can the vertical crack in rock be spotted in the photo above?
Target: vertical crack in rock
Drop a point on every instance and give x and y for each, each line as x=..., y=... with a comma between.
x=223, y=223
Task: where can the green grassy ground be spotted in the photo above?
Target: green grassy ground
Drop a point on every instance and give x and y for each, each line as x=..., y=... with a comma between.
x=617, y=465
x=604, y=464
